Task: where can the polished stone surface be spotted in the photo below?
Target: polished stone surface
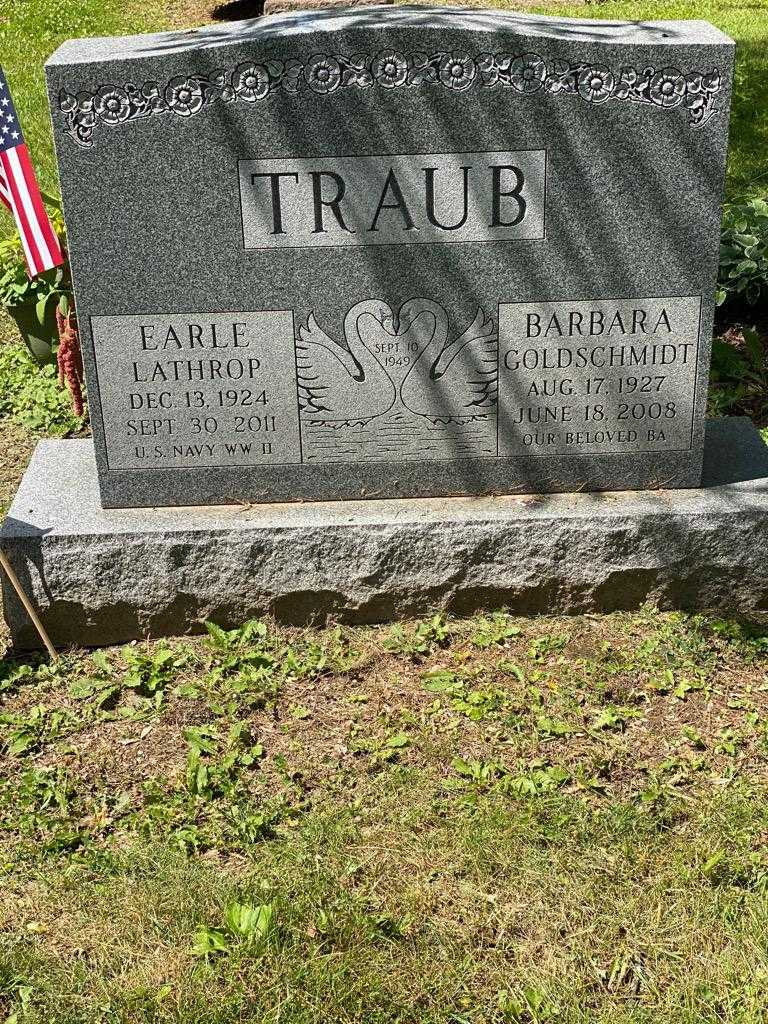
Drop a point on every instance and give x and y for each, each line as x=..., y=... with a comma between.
x=393, y=252
x=102, y=576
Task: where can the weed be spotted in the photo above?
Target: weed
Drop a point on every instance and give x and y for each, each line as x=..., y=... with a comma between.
x=540, y=777
x=32, y=730
x=150, y=673
x=214, y=763
x=553, y=728
x=419, y=640
x=246, y=926
x=545, y=646
x=494, y=630
x=613, y=718
x=31, y=396
x=526, y=1006
x=744, y=252
x=476, y=704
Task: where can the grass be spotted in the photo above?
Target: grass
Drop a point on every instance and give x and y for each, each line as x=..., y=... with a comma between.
x=30, y=31
x=32, y=405
x=481, y=820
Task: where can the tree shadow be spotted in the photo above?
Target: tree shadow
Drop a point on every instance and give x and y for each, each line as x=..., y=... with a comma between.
x=238, y=10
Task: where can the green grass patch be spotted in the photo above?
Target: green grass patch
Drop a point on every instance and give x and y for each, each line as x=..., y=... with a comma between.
x=447, y=821
x=392, y=912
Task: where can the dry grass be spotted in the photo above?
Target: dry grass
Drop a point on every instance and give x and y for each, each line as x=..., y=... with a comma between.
x=490, y=819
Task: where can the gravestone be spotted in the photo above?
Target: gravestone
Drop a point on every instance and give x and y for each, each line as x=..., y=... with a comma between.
x=394, y=252
x=402, y=255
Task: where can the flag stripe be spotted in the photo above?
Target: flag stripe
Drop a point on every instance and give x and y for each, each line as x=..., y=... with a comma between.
x=5, y=195
x=18, y=178
x=40, y=214
x=20, y=216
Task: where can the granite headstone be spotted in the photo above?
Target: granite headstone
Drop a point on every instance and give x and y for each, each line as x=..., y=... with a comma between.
x=394, y=251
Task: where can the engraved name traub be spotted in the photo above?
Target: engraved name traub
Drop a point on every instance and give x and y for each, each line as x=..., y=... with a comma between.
x=385, y=200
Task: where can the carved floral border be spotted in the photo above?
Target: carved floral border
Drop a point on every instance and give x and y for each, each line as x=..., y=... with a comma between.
x=526, y=73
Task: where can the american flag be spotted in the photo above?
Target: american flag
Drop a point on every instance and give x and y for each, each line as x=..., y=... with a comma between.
x=20, y=192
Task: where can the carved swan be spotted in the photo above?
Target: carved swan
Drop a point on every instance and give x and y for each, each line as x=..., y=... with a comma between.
x=454, y=381
x=341, y=385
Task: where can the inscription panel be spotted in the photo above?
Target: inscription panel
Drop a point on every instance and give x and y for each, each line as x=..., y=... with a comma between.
x=392, y=199
x=595, y=377
x=198, y=389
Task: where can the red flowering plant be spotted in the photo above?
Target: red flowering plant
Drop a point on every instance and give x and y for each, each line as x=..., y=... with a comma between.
x=43, y=309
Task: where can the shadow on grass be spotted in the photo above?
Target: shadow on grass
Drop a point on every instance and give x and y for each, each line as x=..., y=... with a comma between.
x=235, y=10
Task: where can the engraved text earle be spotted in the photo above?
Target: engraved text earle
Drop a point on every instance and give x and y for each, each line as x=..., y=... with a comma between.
x=198, y=389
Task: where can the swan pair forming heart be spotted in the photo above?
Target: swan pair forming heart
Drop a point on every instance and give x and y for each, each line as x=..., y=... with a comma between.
x=445, y=381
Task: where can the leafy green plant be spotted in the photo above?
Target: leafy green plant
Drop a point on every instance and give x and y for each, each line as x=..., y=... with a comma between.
x=30, y=395
x=23, y=993
x=243, y=668
x=14, y=674
x=389, y=749
x=553, y=728
x=739, y=375
x=245, y=925
x=16, y=286
x=228, y=641
x=150, y=673
x=242, y=652
x=612, y=718
x=743, y=270
x=544, y=646
x=41, y=808
x=420, y=640
x=495, y=629
x=214, y=763
x=34, y=729
x=476, y=704
x=478, y=773
x=540, y=777
x=526, y=1006
x=102, y=690
x=309, y=658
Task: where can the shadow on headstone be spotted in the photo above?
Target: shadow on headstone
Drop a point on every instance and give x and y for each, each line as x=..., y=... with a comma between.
x=235, y=10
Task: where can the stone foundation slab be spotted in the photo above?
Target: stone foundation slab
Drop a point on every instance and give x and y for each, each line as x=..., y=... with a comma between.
x=106, y=576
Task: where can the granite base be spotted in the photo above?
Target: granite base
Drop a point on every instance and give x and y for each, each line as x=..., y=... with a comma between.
x=105, y=576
